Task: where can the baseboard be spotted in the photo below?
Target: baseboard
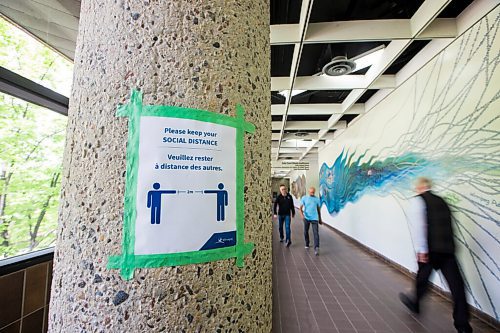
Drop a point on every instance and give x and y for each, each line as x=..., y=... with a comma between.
x=437, y=290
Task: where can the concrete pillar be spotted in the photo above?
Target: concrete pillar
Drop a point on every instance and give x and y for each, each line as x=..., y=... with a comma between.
x=202, y=54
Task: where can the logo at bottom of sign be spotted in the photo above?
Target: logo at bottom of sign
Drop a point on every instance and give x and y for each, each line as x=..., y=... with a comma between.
x=220, y=239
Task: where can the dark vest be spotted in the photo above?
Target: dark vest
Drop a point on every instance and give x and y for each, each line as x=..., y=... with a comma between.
x=439, y=229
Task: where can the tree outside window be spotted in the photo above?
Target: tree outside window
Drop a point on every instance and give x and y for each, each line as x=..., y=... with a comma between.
x=31, y=146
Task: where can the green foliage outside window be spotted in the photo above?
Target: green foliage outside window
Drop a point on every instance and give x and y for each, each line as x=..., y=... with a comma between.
x=31, y=147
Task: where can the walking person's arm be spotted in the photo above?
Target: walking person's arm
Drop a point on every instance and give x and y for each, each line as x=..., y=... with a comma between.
x=301, y=209
x=292, y=209
x=419, y=224
x=276, y=206
x=319, y=214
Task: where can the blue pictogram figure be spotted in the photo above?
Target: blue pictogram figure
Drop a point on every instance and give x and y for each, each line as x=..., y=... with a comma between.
x=154, y=202
x=222, y=201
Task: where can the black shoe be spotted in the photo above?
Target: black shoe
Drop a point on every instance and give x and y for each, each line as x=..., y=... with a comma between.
x=288, y=243
x=412, y=306
x=465, y=328
x=281, y=240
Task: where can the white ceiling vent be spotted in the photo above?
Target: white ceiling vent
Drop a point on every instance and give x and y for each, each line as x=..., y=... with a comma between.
x=339, y=66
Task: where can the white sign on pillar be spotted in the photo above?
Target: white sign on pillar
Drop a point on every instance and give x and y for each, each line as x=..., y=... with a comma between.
x=184, y=195
x=185, y=186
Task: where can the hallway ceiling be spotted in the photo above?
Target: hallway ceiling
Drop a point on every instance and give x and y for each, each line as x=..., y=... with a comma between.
x=305, y=36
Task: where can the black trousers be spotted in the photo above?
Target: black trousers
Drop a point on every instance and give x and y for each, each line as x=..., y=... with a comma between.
x=447, y=263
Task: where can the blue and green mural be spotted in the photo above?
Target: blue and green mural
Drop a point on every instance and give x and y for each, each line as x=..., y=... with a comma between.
x=348, y=178
x=443, y=123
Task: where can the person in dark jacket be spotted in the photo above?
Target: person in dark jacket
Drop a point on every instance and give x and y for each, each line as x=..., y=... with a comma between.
x=285, y=212
x=435, y=249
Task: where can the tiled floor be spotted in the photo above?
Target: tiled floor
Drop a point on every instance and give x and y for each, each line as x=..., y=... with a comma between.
x=345, y=289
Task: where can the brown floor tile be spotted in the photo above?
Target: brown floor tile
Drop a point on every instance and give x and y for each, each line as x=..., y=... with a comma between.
x=345, y=285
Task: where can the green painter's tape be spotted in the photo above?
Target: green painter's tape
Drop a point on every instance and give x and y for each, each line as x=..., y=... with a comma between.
x=128, y=261
x=184, y=258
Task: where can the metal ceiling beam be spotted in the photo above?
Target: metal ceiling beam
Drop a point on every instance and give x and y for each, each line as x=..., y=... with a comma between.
x=300, y=125
x=345, y=31
x=308, y=125
x=315, y=109
x=285, y=34
x=18, y=86
x=298, y=143
x=439, y=28
x=425, y=15
x=347, y=82
x=366, y=30
x=305, y=13
x=298, y=151
x=391, y=53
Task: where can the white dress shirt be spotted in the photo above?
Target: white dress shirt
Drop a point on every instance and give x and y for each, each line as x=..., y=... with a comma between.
x=418, y=220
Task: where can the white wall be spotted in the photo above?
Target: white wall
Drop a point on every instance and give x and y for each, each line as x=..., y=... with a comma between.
x=448, y=116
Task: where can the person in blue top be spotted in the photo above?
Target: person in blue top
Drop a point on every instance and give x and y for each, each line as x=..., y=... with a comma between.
x=310, y=210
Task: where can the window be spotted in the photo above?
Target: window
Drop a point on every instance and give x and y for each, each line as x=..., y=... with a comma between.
x=31, y=150
x=31, y=146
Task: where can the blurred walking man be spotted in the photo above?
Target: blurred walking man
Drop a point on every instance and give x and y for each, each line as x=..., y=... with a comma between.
x=436, y=250
x=310, y=211
x=286, y=211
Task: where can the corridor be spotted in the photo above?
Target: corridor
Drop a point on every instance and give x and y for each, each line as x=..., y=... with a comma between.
x=345, y=289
